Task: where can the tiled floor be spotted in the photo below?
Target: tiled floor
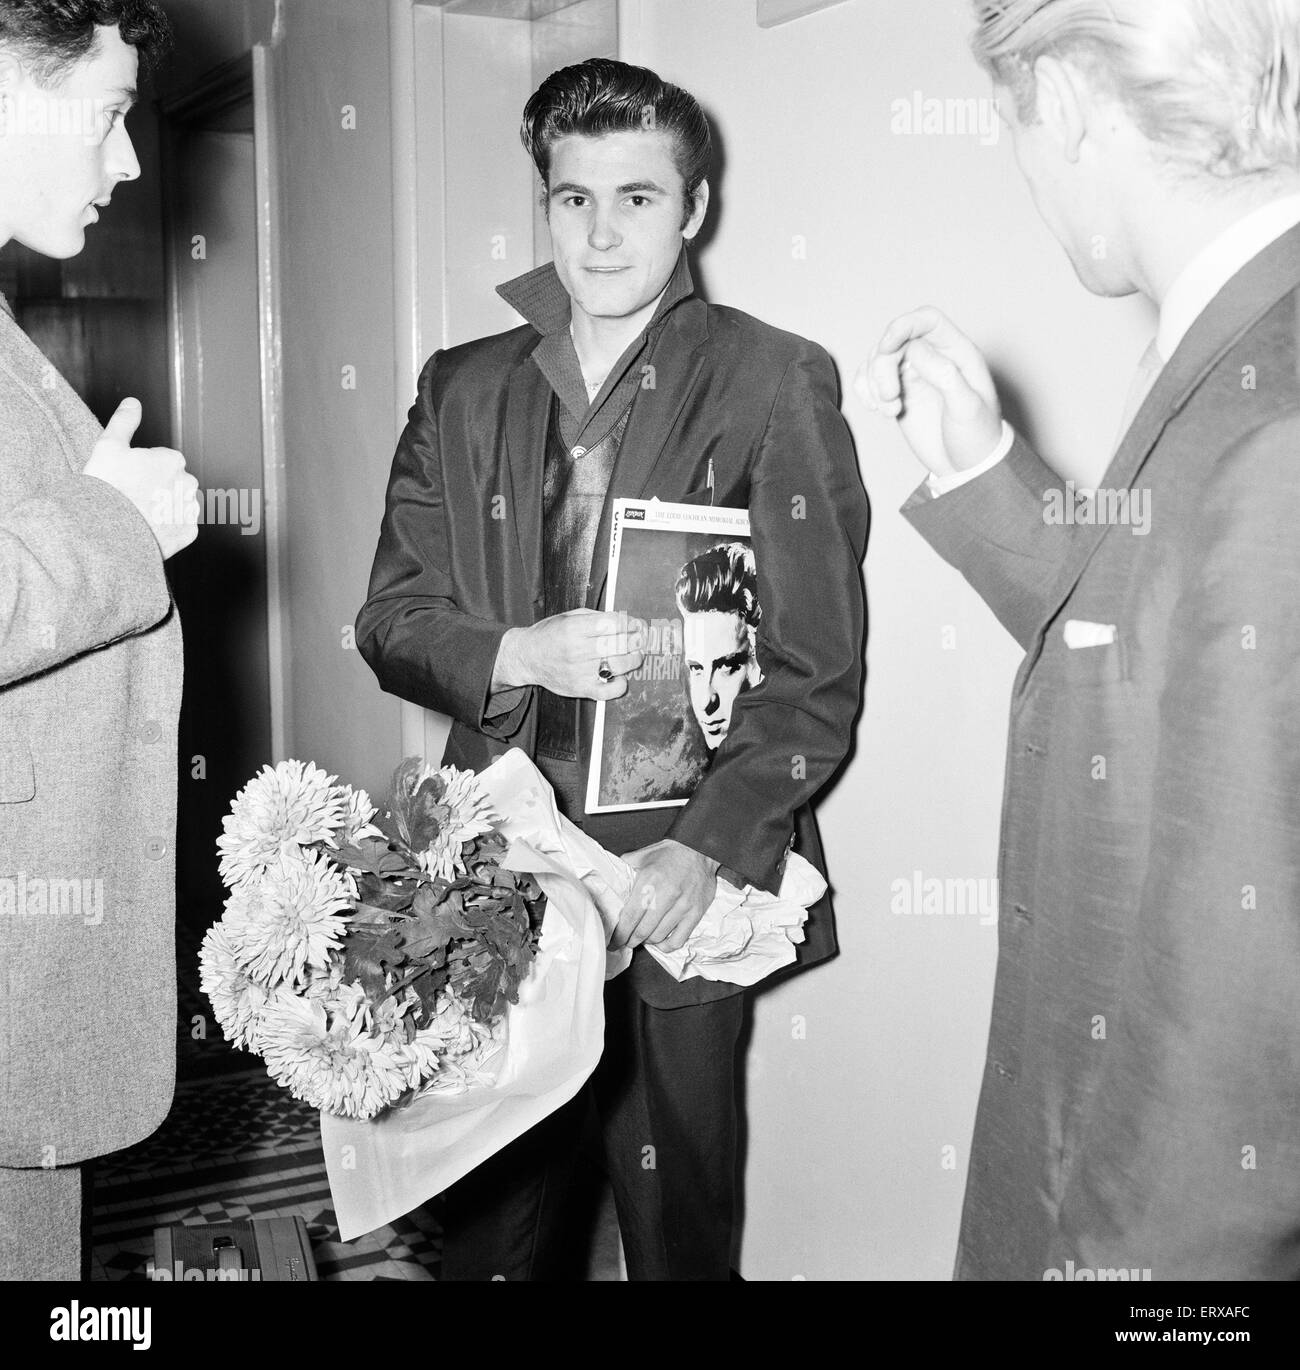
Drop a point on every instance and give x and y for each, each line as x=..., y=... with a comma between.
x=233, y=1148
x=238, y=1147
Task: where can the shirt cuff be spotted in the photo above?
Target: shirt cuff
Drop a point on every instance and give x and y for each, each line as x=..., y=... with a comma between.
x=941, y=485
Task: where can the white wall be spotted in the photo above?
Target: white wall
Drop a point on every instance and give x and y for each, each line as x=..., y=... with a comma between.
x=830, y=223
x=337, y=289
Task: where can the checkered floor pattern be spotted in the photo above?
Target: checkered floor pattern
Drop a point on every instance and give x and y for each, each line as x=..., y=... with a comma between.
x=234, y=1148
x=239, y=1147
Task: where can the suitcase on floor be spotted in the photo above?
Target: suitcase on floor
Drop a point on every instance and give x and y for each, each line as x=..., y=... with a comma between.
x=260, y=1249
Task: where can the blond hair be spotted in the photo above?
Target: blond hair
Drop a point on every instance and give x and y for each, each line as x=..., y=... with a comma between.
x=1215, y=84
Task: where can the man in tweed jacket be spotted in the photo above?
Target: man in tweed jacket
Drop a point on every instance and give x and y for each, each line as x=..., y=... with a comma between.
x=90, y=672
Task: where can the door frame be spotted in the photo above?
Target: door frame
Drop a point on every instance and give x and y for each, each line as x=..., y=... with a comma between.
x=420, y=212
x=249, y=78
x=419, y=255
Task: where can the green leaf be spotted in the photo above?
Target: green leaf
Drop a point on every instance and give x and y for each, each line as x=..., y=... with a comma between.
x=428, y=898
x=367, y=955
x=475, y=936
x=389, y=826
x=384, y=894
x=426, y=936
x=428, y=987
x=370, y=915
x=426, y=813
x=384, y=877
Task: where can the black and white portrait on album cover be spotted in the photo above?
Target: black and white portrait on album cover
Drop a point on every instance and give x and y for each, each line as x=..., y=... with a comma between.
x=688, y=572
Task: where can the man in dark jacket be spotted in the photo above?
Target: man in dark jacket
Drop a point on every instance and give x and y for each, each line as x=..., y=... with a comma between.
x=482, y=606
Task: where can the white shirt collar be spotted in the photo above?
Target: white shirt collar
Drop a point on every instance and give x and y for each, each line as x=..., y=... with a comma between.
x=1215, y=265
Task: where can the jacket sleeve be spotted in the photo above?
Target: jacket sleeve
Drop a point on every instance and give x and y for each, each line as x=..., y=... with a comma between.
x=79, y=569
x=1190, y=1163
x=419, y=643
x=997, y=532
x=808, y=520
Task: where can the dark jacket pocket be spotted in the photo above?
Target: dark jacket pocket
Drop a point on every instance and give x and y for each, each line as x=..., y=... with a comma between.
x=704, y=495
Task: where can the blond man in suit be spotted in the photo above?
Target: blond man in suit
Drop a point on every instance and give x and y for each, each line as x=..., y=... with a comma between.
x=90, y=670
x=1140, y=1110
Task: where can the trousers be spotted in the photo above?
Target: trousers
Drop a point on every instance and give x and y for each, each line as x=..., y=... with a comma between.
x=40, y=1224
x=665, y=1096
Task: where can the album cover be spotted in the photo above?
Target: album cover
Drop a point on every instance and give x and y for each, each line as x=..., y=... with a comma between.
x=688, y=572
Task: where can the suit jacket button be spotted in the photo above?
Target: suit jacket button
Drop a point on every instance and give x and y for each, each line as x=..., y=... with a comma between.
x=155, y=849
x=578, y=452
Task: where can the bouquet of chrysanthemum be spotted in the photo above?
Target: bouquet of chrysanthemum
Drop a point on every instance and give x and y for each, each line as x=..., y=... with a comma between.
x=367, y=957
x=449, y=956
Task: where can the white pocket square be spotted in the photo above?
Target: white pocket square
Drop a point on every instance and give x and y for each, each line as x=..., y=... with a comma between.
x=1080, y=633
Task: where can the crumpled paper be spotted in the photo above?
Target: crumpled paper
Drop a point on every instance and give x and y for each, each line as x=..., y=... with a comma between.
x=745, y=935
x=383, y=1168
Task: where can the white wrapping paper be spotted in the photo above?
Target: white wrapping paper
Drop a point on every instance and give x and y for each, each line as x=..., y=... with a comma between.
x=383, y=1168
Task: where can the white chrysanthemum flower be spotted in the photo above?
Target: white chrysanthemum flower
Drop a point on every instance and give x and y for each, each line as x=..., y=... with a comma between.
x=358, y=813
x=387, y=1016
x=324, y=984
x=463, y=814
x=392, y=1019
x=291, y=919
x=459, y=1046
x=294, y=803
x=324, y=1053
x=237, y=1000
x=451, y=1028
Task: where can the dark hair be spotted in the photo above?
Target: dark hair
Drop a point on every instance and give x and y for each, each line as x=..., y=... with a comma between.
x=52, y=36
x=601, y=96
x=723, y=580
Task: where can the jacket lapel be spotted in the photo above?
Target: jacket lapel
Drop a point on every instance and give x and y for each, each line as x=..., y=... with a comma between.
x=677, y=358
x=528, y=407
x=1247, y=297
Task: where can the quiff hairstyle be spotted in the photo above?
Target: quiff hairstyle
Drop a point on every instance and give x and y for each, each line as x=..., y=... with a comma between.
x=602, y=96
x=723, y=580
x=1214, y=84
